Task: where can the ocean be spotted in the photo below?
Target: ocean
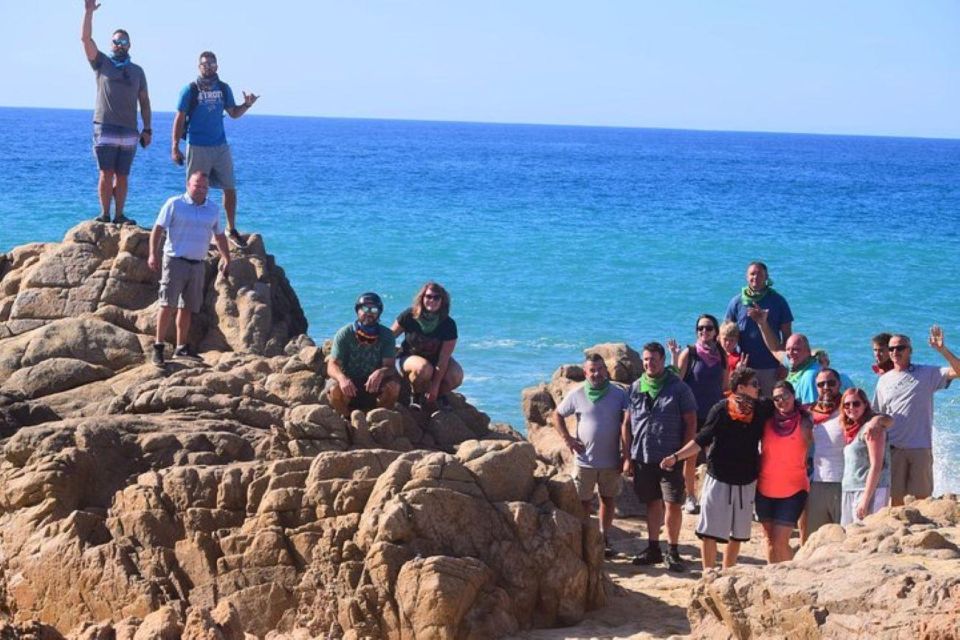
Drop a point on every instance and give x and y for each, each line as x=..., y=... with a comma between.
x=554, y=238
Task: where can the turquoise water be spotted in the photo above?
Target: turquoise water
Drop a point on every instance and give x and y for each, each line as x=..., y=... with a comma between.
x=552, y=239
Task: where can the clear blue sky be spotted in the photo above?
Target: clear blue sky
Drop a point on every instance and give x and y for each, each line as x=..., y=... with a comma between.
x=859, y=67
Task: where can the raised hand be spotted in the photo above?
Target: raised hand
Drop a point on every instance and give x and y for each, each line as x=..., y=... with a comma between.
x=91, y=5
x=936, y=337
x=248, y=98
x=757, y=313
x=674, y=348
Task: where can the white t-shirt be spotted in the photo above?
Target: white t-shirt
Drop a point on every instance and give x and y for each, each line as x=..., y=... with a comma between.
x=828, y=446
x=907, y=397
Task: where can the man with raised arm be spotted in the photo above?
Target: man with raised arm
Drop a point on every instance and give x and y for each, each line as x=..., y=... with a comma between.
x=200, y=118
x=121, y=85
x=599, y=407
x=906, y=394
x=188, y=221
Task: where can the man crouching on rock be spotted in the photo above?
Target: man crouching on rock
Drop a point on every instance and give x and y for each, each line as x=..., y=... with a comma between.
x=188, y=220
x=361, y=363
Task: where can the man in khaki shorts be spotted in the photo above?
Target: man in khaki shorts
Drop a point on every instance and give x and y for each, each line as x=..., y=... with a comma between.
x=188, y=220
x=906, y=394
x=599, y=407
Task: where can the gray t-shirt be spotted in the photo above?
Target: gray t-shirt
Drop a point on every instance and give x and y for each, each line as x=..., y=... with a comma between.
x=828, y=446
x=657, y=425
x=598, y=425
x=907, y=397
x=118, y=91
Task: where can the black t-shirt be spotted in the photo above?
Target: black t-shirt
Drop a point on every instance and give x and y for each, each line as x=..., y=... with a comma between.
x=734, y=457
x=425, y=345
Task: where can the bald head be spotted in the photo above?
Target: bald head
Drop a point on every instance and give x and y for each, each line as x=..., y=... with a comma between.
x=797, y=348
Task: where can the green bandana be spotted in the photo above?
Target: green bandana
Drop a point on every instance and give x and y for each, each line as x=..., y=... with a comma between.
x=652, y=386
x=594, y=394
x=795, y=374
x=428, y=321
x=749, y=297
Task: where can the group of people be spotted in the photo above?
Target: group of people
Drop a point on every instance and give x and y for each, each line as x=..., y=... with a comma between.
x=787, y=440
x=121, y=87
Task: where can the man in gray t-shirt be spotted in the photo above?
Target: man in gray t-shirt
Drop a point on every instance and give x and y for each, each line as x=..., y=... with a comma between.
x=599, y=408
x=120, y=86
x=906, y=394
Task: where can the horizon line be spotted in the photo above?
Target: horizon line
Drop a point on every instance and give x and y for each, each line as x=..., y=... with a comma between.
x=549, y=124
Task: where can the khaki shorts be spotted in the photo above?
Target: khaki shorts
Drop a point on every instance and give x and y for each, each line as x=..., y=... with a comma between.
x=607, y=480
x=911, y=473
x=824, y=505
x=181, y=283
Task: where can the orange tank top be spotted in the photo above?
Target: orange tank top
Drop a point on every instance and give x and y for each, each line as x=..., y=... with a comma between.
x=783, y=462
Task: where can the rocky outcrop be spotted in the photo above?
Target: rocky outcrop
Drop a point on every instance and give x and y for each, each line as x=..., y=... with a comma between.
x=225, y=497
x=894, y=576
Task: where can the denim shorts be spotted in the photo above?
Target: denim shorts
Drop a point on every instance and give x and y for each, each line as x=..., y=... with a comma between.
x=782, y=511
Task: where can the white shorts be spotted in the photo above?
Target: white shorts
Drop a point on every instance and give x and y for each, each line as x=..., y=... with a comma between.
x=848, y=511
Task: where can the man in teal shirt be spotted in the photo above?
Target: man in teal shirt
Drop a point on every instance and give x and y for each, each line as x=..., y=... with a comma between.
x=361, y=363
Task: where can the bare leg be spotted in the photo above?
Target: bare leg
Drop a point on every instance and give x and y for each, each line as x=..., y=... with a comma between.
x=105, y=191
x=183, y=325
x=163, y=322
x=389, y=394
x=120, y=194
x=708, y=549
x=453, y=378
x=608, y=507
x=230, y=206
x=338, y=401
x=419, y=372
x=654, y=520
x=768, y=534
x=674, y=520
x=731, y=553
x=690, y=476
x=781, y=543
x=804, y=528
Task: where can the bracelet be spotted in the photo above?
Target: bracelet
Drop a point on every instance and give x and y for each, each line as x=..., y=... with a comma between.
x=676, y=458
x=150, y=131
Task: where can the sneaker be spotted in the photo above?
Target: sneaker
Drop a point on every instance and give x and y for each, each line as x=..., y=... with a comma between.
x=234, y=237
x=416, y=401
x=650, y=555
x=122, y=219
x=674, y=562
x=157, y=357
x=691, y=506
x=103, y=217
x=184, y=351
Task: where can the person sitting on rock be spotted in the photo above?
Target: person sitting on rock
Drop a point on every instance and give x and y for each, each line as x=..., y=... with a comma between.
x=426, y=354
x=189, y=221
x=360, y=365
x=599, y=407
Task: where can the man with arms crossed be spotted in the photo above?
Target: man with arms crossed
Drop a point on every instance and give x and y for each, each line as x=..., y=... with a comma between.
x=906, y=394
x=599, y=407
x=189, y=221
x=120, y=86
x=662, y=418
x=200, y=116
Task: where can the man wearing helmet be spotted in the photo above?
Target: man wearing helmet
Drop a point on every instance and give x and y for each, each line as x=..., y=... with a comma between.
x=361, y=363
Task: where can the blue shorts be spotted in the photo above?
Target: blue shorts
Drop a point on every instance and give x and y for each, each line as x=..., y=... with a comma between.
x=782, y=511
x=114, y=148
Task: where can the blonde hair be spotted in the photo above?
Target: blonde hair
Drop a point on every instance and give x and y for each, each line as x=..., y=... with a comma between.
x=729, y=329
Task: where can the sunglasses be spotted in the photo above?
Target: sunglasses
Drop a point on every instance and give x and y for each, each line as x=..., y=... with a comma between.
x=754, y=384
x=208, y=64
x=706, y=327
x=431, y=296
x=120, y=42
x=370, y=310
x=853, y=404
x=898, y=347
x=781, y=398
x=824, y=384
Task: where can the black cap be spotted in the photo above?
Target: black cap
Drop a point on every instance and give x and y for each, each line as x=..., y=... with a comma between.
x=369, y=299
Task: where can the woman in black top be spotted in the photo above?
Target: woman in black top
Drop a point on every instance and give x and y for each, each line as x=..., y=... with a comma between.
x=429, y=338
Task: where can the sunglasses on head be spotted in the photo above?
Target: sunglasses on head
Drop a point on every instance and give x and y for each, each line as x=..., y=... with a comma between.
x=898, y=347
x=824, y=384
x=852, y=404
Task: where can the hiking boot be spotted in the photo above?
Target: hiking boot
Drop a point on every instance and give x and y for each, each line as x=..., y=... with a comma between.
x=103, y=217
x=673, y=561
x=234, y=237
x=650, y=555
x=184, y=351
x=122, y=219
x=691, y=506
x=157, y=357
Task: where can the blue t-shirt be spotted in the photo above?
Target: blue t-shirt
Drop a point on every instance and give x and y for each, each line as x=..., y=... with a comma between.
x=205, y=128
x=751, y=340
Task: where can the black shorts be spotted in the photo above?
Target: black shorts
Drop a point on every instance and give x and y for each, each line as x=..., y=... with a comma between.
x=651, y=483
x=782, y=511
